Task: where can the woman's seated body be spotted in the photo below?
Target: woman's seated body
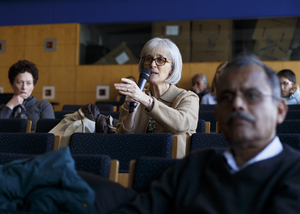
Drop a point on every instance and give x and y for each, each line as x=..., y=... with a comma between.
x=23, y=76
x=163, y=107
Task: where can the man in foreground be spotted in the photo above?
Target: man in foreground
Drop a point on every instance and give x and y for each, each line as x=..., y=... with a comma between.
x=256, y=174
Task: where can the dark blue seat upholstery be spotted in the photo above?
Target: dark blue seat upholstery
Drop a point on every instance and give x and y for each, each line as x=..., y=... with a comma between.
x=101, y=107
x=204, y=141
x=105, y=107
x=5, y=97
x=13, y=125
x=123, y=147
x=289, y=126
x=71, y=107
x=292, y=140
x=96, y=164
x=294, y=107
x=209, y=116
x=23, y=212
x=147, y=169
x=114, y=103
x=61, y=114
x=45, y=125
x=9, y=157
x=204, y=107
x=26, y=143
x=293, y=115
x=201, y=126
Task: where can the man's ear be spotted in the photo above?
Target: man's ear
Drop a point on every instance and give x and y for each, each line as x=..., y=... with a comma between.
x=282, y=109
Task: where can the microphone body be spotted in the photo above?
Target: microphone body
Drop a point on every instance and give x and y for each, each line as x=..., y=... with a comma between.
x=144, y=76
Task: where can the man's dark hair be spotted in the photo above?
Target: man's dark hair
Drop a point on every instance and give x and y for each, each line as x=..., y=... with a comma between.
x=250, y=59
x=287, y=73
x=23, y=66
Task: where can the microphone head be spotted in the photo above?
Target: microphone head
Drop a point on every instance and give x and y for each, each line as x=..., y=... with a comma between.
x=145, y=74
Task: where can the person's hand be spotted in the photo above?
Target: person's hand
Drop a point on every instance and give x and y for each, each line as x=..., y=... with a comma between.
x=15, y=101
x=295, y=88
x=196, y=89
x=130, y=89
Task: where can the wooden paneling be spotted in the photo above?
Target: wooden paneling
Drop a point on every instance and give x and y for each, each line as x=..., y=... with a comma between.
x=13, y=35
x=294, y=66
x=88, y=77
x=275, y=65
x=64, y=33
x=64, y=55
x=12, y=55
x=37, y=55
x=185, y=76
x=4, y=82
x=77, y=84
x=44, y=76
x=206, y=68
x=83, y=98
x=36, y=34
x=63, y=78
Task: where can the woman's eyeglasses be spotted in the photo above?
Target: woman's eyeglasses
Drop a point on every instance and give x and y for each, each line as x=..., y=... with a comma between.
x=159, y=61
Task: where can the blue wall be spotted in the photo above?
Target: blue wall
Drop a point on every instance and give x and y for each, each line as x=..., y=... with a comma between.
x=21, y=12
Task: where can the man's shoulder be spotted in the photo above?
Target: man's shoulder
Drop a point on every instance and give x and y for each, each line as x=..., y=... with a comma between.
x=290, y=153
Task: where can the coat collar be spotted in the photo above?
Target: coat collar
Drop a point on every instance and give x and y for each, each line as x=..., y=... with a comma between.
x=170, y=95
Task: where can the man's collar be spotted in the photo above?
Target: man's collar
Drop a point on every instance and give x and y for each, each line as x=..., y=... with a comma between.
x=271, y=150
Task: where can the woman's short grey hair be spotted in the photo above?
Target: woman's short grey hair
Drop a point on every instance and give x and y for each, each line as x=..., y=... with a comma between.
x=163, y=45
x=250, y=59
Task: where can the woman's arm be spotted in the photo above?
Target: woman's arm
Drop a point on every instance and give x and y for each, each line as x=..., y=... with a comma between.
x=5, y=111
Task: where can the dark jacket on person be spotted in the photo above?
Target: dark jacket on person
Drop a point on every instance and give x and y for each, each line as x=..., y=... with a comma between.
x=46, y=183
x=203, y=183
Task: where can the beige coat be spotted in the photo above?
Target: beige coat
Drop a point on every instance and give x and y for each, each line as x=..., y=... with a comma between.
x=175, y=112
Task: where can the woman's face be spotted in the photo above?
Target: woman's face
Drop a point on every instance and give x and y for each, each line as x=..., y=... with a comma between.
x=23, y=85
x=159, y=73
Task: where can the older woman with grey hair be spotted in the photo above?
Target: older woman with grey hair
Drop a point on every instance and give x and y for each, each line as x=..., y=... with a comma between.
x=163, y=107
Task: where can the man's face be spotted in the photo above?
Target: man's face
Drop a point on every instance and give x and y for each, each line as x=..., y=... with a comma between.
x=198, y=84
x=246, y=111
x=286, y=87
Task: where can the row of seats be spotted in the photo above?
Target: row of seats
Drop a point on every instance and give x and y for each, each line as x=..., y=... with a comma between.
x=45, y=125
x=203, y=107
x=89, y=155
x=98, y=164
x=122, y=147
x=61, y=114
x=286, y=127
x=101, y=107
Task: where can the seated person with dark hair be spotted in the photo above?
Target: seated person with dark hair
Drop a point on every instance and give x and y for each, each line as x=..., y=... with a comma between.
x=256, y=174
x=200, y=85
x=23, y=76
x=289, y=89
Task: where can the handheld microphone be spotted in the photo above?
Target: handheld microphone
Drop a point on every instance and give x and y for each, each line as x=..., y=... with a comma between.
x=144, y=76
